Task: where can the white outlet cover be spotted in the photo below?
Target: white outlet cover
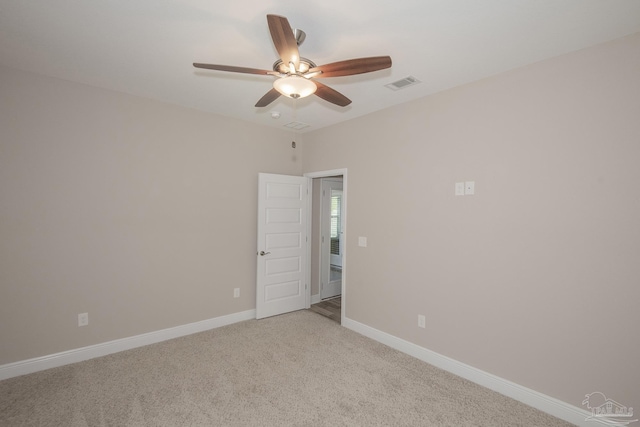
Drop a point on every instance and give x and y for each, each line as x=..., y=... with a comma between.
x=362, y=242
x=469, y=188
x=83, y=319
x=459, y=188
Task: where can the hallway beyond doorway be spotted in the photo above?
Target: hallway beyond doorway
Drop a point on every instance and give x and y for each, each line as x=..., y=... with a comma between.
x=330, y=308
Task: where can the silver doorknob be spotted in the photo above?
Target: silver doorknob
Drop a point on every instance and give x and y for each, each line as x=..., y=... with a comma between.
x=263, y=253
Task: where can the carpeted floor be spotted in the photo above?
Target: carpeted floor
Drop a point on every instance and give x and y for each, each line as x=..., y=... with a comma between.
x=298, y=369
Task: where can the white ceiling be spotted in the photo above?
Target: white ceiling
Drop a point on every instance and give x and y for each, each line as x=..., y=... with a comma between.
x=147, y=47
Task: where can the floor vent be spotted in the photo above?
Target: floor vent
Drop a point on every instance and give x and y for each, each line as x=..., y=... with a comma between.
x=401, y=84
x=296, y=125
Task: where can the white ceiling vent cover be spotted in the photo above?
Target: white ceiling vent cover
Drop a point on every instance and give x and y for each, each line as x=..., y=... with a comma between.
x=403, y=83
x=296, y=125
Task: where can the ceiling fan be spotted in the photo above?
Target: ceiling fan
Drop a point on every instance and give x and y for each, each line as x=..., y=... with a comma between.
x=294, y=73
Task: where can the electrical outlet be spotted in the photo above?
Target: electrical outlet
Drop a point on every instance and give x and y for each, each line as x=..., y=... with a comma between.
x=83, y=319
x=421, y=321
x=236, y=292
x=469, y=188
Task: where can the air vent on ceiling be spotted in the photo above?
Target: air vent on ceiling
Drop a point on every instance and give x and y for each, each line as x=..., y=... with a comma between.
x=403, y=83
x=296, y=125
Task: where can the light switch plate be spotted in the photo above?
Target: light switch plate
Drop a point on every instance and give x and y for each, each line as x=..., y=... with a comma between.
x=459, y=188
x=469, y=188
x=421, y=321
x=362, y=242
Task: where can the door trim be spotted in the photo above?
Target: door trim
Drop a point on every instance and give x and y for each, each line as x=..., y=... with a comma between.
x=326, y=174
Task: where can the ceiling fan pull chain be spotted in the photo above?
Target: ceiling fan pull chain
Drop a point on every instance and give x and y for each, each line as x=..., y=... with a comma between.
x=295, y=109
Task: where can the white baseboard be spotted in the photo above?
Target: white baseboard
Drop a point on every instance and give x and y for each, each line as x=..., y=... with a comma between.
x=522, y=394
x=29, y=366
x=544, y=403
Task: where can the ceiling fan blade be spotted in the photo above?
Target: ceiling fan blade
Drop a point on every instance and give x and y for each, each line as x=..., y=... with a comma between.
x=268, y=98
x=232, y=69
x=283, y=39
x=353, y=66
x=331, y=95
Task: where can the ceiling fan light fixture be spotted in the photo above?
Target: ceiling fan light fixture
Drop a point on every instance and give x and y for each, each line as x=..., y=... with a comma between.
x=295, y=73
x=295, y=86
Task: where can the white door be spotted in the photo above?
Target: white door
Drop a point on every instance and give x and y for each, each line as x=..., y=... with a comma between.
x=282, y=236
x=332, y=238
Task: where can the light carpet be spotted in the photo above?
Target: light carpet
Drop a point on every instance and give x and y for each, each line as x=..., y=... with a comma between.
x=297, y=369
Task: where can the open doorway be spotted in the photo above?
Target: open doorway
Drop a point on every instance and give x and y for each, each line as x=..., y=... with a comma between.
x=331, y=241
x=327, y=260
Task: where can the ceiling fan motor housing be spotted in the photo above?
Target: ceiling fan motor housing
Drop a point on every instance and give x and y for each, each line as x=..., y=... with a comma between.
x=282, y=68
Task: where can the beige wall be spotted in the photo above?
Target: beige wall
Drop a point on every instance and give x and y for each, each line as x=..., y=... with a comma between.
x=536, y=278
x=141, y=214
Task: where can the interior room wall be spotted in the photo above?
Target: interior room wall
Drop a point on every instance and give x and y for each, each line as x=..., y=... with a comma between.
x=139, y=213
x=535, y=277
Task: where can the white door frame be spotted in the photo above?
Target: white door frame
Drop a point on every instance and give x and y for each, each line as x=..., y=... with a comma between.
x=327, y=174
